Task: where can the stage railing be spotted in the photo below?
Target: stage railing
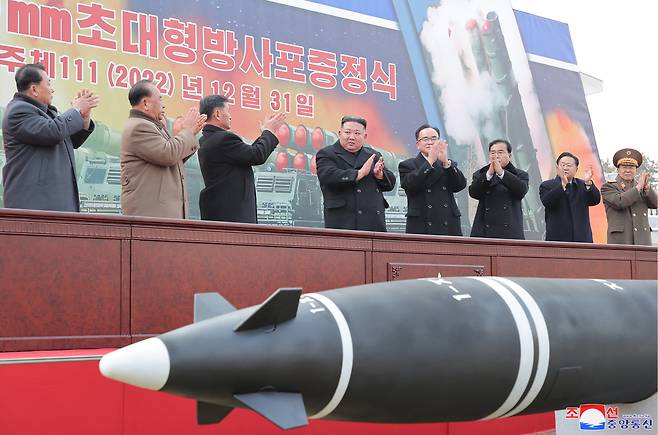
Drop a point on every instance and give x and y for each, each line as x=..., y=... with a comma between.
x=85, y=281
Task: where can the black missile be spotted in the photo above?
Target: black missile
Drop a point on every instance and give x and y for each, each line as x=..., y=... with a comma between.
x=426, y=350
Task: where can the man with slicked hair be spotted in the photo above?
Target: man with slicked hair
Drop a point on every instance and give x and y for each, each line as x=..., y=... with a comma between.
x=39, y=141
x=226, y=161
x=152, y=172
x=567, y=200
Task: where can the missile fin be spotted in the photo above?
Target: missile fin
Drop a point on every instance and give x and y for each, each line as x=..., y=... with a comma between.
x=286, y=410
x=280, y=307
x=207, y=305
x=209, y=413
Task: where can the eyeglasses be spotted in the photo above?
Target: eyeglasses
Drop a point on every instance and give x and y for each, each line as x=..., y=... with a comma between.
x=428, y=139
x=499, y=152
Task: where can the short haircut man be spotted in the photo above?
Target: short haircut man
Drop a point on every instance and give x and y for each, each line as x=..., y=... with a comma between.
x=39, y=143
x=152, y=172
x=27, y=75
x=226, y=163
x=208, y=104
x=352, y=178
x=356, y=119
x=141, y=89
x=567, y=200
x=499, y=188
x=430, y=181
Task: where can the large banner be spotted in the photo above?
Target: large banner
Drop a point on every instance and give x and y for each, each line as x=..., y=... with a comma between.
x=459, y=65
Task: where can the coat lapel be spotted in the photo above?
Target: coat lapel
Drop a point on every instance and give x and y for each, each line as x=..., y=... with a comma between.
x=434, y=176
x=362, y=156
x=53, y=113
x=624, y=185
x=345, y=155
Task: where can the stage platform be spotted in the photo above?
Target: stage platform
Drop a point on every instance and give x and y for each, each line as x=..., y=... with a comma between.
x=75, y=285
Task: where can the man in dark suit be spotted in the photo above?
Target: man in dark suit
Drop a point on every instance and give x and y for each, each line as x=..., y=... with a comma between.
x=352, y=178
x=226, y=161
x=39, y=143
x=567, y=200
x=499, y=187
x=431, y=180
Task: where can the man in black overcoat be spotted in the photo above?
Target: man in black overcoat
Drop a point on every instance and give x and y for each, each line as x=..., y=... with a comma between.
x=430, y=181
x=499, y=187
x=352, y=178
x=567, y=200
x=226, y=161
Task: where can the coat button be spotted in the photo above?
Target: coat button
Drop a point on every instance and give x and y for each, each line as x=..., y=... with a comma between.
x=358, y=190
x=488, y=192
x=429, y=205
x=360, y=212
x=426, y=171
x=634, y=229
x=429, y=190
x=487, y=225
x=445, y=223
x=378, y=212
x=644, y=214
x=486, y=209
x=633, y=214
x=443, y=187
x=429, y=224
x=377, y=190
x=445, y=205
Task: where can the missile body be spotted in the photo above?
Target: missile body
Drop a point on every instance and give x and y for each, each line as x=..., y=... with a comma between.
x=427, y=350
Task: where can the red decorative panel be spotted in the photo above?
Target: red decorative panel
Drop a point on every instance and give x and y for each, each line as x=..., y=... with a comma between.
x=563, y=268
x=646, y=270
x=58, y=287
x=166, y=275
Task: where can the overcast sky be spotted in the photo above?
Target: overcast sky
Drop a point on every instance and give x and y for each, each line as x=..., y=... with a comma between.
x=615, y=42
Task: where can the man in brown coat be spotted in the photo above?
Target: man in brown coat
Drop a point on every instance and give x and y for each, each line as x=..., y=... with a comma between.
x=627, y=201
x=152, y=173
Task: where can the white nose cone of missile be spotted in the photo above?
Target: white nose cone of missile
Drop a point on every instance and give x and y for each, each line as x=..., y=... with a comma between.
x=143, y=364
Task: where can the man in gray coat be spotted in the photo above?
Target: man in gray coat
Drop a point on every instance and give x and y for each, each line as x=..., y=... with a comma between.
x=39, y=142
